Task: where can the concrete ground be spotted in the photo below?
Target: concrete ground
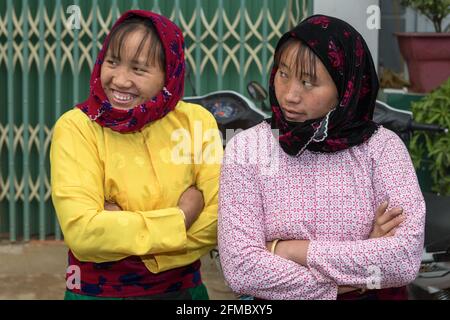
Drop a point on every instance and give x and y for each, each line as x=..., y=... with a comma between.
x=36, y=270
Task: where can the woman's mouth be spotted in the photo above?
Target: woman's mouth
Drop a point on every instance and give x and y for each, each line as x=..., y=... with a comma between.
x=293, y=116
x=122, y=98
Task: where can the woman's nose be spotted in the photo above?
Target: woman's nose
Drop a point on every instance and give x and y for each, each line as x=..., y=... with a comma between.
x=293, y=93
x=120, y=79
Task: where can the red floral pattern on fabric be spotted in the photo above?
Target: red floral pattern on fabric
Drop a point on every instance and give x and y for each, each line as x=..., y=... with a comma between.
x=336, y=56
x=320, y=20
x=99, y=109
x=348, y=93
x=130, y=277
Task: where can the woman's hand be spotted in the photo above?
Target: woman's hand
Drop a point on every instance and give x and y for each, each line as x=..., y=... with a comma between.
x=192, y=203
x=111, y=206
x=386, y=222
x=385, y=225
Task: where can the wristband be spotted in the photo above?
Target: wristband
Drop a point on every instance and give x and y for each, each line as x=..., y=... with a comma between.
x=274, y=244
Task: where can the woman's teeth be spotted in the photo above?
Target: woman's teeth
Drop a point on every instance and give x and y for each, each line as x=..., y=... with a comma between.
x=122, y=97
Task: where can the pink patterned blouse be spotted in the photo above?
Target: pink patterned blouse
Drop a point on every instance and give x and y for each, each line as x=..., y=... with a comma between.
x=329, y=199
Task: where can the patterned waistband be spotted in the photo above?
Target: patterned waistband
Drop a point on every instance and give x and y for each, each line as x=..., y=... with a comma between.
x=128, y=277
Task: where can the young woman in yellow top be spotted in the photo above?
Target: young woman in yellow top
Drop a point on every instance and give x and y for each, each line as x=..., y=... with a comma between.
x=137, y=214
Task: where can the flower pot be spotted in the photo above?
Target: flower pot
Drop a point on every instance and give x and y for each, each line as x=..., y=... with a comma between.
x=427, y=55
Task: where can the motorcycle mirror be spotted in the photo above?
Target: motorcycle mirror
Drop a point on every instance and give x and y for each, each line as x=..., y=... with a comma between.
x=256, y=91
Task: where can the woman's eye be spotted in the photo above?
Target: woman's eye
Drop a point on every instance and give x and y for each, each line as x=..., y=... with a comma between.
x=283, y=74
x=112, y=62
x=307, y=84
x=139, y=70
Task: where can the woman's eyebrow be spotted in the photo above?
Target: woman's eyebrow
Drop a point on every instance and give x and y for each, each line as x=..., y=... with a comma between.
x=139, y=62
x=303, y=74
x=111, y=56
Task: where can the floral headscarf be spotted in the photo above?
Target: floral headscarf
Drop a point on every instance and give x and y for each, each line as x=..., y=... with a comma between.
x=98, y=107
x=347, y=59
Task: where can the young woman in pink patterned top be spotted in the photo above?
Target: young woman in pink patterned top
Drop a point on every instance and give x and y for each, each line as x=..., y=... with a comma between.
x=320, y=202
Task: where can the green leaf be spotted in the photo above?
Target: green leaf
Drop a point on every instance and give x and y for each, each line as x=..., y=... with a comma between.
x=433, y=149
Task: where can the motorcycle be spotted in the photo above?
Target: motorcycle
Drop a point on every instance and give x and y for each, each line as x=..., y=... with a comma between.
x=231, y=110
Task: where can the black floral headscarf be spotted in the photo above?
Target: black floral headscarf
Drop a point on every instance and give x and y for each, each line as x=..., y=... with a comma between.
x=347, y=59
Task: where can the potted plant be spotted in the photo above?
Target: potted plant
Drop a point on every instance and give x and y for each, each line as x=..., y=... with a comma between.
x=431, y=151
x=427, y=54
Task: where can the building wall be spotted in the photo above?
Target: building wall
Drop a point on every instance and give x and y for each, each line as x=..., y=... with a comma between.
x=354, y=12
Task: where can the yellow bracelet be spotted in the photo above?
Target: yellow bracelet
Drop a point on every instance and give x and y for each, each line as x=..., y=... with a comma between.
x=274, y=244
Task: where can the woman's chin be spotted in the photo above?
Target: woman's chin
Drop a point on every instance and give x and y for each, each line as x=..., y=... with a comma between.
x=123, y=106
x=296, y=118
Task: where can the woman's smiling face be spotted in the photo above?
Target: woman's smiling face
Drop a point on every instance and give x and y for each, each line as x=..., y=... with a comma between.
x=130, y=79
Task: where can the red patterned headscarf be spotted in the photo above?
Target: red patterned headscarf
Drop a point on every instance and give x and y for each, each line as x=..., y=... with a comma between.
x=347, y=59
x=98, y=107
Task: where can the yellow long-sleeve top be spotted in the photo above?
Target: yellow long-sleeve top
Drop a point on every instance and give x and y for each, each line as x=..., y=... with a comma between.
x=145, y=173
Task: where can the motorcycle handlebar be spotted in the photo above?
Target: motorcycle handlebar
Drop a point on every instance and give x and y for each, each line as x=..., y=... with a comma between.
x=427, y=127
